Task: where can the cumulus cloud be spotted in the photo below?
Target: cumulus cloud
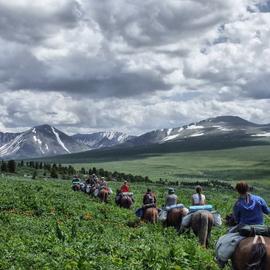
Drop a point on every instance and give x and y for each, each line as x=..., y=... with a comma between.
x=132, y=66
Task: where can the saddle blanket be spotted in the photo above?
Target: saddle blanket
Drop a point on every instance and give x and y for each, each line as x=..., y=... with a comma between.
x=195, y=208
x=127, y=193
x=168, y=208
x=187, y=219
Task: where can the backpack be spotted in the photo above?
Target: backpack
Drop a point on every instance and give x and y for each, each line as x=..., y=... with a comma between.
x=148, y=198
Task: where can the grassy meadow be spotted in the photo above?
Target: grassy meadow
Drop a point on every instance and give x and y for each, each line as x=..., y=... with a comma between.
x=248, y=163
x=46, y=225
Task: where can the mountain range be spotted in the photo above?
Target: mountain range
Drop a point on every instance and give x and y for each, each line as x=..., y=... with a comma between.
x=45, y=140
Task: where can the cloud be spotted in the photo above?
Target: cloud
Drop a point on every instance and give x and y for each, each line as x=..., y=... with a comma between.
x=132, y=66
x=22, y=109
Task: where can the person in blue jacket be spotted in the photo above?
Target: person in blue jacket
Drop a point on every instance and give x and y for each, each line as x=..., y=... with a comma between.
x=249, y=208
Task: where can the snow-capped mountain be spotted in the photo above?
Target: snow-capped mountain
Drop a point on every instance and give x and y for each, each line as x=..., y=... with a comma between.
x=45, y=140
x=7, y=137
x=221, y=125
x=40, y=141
x=102, y=139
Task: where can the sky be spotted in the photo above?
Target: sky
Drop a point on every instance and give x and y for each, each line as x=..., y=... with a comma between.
x=132, y=66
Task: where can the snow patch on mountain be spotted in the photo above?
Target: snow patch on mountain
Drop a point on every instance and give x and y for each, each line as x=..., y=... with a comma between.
x=266, y=134
x=194, y=127
x=37, y=140
x=11, y=147
x=196, y=134
x=168, y=138
x=59, y=140
x=169, y=131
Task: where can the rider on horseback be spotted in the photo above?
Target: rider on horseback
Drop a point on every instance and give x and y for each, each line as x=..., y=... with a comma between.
x=198, y=198
x=124, y=187
x=171, y=198
x=149, y=199
x=248, y=210
x=123, y=191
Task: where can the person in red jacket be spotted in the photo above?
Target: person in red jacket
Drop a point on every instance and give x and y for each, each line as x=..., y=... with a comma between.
x=124, y=187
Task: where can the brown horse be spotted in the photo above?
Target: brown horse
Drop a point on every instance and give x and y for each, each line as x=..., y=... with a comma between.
x=103, y=195
x=174, y=218
x=201, y=224
x=126, y=202
x=252, y=253
x=150, y=215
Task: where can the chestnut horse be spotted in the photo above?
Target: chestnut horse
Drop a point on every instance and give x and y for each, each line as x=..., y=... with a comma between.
x=174, y=218
x=126, y=202
x=201, y=224
x=103, y=195
x=252, y=253
x=150, y=215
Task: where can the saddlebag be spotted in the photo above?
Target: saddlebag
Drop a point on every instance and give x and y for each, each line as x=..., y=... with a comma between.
x=252, y=230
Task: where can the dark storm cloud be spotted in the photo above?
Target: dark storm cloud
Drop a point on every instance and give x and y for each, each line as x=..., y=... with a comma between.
x=31, y=24
x=154, y=23
x=119, y=85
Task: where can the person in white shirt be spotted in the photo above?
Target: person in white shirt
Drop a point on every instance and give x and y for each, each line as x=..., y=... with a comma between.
x=198, y=198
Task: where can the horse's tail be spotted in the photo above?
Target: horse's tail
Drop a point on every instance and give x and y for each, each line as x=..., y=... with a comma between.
x=203, y=234
x=103, y=195
x=150, y=215
x=257, y=259
x=126, y=202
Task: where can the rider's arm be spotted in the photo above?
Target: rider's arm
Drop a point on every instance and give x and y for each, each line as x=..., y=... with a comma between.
x=265, y=208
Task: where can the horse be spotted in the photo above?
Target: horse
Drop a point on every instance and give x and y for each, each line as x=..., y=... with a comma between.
x=174, y=218
x=103, y=195
x=201, y=224
x=125, y=202
x=76, y=187
x=150, y=215
x=252, y=253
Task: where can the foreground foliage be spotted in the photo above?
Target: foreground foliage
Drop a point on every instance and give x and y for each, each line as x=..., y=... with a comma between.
x=45, y=225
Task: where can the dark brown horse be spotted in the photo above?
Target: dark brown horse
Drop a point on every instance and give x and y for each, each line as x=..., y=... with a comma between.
x=103, y=195
x=252, y=253
x=174, y=218
x=150, y=215
x=126, y=202
x=201, y=224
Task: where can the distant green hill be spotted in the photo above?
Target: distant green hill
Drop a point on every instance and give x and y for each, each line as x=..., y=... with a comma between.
x=137, y=152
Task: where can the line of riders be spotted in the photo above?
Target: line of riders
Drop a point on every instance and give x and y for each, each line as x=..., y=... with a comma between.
x=246, y=243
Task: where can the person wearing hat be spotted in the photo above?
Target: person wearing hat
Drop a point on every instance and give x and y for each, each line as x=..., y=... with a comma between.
x=171, y=198
x=124, y=187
